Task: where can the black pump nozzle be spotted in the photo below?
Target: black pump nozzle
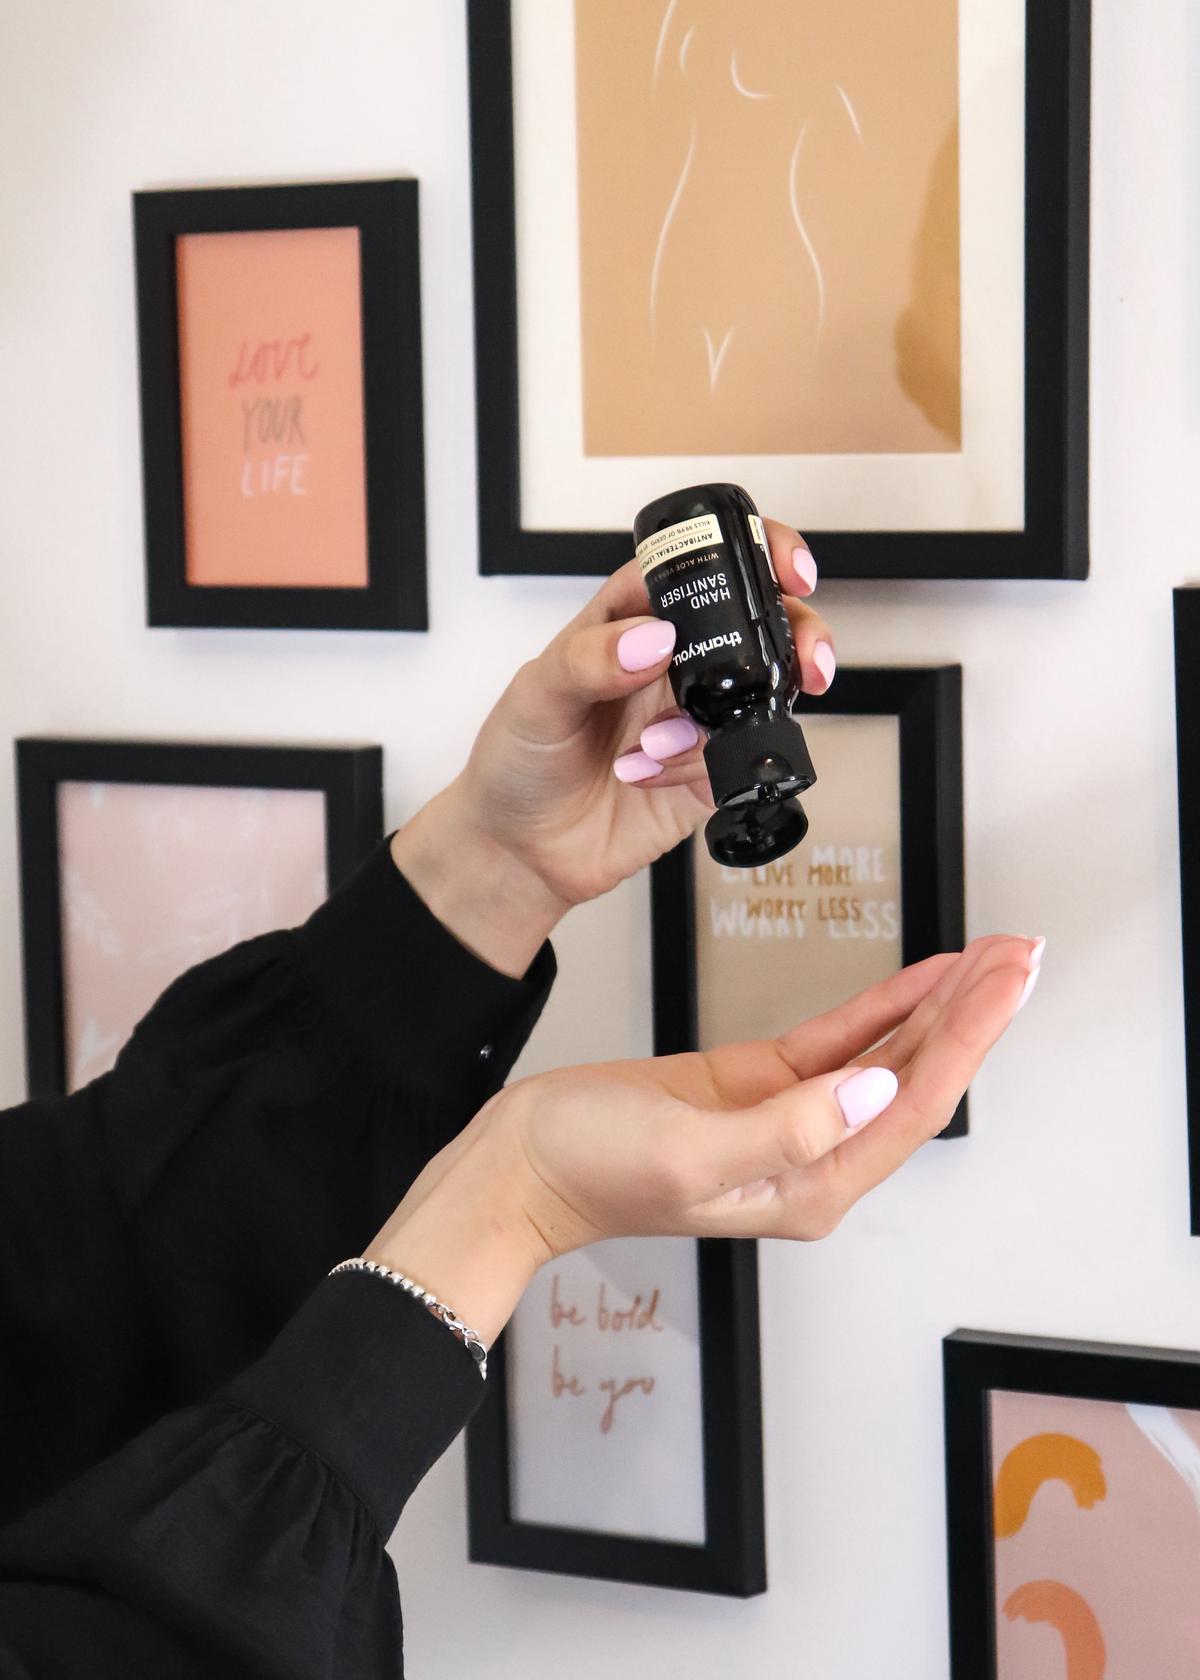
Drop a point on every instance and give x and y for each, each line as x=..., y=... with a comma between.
x=755, y=771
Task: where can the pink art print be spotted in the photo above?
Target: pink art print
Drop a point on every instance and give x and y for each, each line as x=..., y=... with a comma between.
x=271, y=408
x=156, y=879
x=1096, y=1511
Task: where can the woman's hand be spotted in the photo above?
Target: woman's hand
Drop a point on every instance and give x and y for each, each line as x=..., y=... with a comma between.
x=584, y=772
x=769, y=1138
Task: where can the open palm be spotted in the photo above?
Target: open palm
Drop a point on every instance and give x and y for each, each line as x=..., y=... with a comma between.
x=753, y=1139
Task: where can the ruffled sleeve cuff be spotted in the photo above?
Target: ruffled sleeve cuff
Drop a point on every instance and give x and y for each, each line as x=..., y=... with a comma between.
x=370, y=1381
x=246, y=1535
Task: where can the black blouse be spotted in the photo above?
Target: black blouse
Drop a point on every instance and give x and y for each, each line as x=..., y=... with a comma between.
x=181, y=1495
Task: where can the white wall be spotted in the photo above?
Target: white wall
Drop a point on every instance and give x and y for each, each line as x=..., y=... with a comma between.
x=1065, y=1212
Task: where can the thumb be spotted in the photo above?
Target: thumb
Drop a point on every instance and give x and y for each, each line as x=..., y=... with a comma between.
x=792, y=1129
x=585, y=665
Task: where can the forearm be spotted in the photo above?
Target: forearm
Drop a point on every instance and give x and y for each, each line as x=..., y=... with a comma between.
x=463, y=1231
x=266, y=1115
x=487, y=897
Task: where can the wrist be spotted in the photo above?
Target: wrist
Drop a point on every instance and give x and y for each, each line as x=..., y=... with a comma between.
x=462, y=1231
x=488, y=898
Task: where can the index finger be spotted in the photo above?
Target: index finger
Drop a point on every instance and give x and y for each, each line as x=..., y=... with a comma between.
x=623, y=595
x=792, y=558
x=991, y=951
x=849, y=1030
x=932, y=1085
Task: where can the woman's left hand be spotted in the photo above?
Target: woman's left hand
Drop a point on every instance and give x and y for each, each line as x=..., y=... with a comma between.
x=767, y=1138
x=584, y=772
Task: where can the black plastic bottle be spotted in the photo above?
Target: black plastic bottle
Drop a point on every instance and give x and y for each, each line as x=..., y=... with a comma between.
x=707, y=566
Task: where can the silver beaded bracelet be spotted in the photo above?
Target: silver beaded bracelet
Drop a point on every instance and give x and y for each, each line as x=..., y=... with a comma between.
x=446, y=1315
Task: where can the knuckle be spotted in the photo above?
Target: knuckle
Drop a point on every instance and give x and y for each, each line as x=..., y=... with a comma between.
x=823, y=1221
x=801, y=1146
x=527, y=676
x=834, y=1196
x=611, y=592
x=575, y=662
x=936, y=1121
x=930, y=1117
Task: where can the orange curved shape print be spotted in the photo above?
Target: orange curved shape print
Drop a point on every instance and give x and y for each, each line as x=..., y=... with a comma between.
x=1045, y=1458
x=1062, y=1608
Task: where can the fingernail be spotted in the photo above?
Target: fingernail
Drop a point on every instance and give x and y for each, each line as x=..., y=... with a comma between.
x=669, y=736
x=635, y=767
x=824, y=658
x=1035, y=956
x=645, y=645
x=1027, y=989
x=805, y=567
x=865, y=1094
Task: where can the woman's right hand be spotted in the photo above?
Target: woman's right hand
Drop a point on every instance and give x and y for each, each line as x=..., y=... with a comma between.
x=768, y=1138
x=560, y=798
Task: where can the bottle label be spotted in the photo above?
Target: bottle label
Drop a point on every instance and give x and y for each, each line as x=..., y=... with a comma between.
x=686, y=537
x=710, y=644
x=709, y=574
x=759, y=532
x=690, y=578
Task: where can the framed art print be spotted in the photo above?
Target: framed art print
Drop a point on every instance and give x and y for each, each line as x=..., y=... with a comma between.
x=621, y=1436
x=279, y=334
x=1187, y=737
x=877, y=883
x=838, y=254
x=1073, y=1509
x=140, y=859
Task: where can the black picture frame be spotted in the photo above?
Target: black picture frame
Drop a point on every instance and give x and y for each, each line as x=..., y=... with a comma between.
x=1187, y=747
x=976, y=1364
x=927, y=701
x=386, y=215
x=350, y=778
x=733, y=1559
x=1054, y=540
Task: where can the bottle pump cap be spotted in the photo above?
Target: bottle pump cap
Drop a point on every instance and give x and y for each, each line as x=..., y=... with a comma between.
x=755, y=770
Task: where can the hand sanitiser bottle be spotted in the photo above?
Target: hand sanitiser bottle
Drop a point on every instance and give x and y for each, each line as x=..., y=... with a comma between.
x=707, y=566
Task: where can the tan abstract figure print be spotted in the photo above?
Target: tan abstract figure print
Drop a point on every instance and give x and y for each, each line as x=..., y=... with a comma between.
x=769, y=226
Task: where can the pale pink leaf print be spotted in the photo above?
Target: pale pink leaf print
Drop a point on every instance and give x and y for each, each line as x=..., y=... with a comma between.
x=208, y=922
x=187, y=872
x=95, y=1053
x=251, y=813
x=87, y=917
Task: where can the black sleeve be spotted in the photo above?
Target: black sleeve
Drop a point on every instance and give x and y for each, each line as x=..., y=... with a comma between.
x=244, y=1538
x=157, y=1228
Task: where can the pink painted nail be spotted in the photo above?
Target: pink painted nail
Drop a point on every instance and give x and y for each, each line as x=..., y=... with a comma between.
x=1027, y=989
x=824, y=658
x=669, y=736
x=635, y=767
x=645, y=645
x=805, y=567
x=865, y=1095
